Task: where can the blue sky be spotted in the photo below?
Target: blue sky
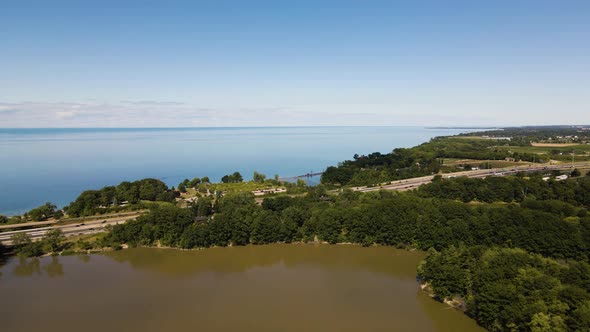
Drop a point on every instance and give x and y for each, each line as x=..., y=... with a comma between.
x=269, y=63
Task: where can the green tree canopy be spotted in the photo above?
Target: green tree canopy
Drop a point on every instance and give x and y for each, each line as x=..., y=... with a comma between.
x=54, y=239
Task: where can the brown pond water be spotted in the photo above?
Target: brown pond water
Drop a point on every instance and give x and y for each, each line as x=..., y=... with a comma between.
x=255, y=288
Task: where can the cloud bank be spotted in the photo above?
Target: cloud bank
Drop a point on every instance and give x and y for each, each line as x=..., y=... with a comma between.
x=154, y=113
x=129, y=114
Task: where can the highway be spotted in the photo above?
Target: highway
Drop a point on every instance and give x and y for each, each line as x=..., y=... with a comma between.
x=69, y=220
x=414, y=183
x=28, y=224
x=85, y=227
x=96, y=226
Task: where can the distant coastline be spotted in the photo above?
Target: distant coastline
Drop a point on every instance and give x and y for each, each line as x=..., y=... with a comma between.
x=60, y=163
x=466, y=128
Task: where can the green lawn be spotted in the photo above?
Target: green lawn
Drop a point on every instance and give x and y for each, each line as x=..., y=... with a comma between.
x=241, y=186
x=453, y=162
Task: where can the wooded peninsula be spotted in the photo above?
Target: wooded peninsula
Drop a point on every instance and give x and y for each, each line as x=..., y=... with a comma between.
x=511, y=249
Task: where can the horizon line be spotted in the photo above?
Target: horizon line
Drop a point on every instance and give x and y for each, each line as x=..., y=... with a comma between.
x=312, y=126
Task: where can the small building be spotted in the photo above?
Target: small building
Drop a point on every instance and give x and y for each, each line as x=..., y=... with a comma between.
x=561, y=177
x=262, y=192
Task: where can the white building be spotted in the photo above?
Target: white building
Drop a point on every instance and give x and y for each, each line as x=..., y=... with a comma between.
x=561, y=177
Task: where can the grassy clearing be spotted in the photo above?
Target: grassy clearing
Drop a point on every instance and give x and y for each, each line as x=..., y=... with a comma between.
x=86, y=237
x=497, y=204
x=158, y=203
x=229, y=188
x=578, y=148
x=469, y=137
x=554, y=145
x=450, y=162
x=82, y=243
x=242, y=186
x=478, y=138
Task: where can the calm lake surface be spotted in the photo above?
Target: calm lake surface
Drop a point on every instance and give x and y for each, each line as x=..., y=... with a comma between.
x=40, y=165
x=256, y=288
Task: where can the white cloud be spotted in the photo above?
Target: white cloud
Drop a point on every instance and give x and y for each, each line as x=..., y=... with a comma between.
x=149, y=113
x=65, y=114
x=133, y=114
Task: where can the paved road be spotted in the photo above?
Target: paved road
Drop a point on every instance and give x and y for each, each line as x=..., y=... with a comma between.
x=70, y=220
x=413, y=183
x=28, y=224
x=86, y=227
x=95, y=226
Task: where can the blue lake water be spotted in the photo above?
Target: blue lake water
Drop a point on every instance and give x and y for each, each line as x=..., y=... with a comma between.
x=56, y=165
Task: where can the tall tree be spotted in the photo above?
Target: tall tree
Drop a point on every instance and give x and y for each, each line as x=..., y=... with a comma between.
x=258, y=177
x=54, y=238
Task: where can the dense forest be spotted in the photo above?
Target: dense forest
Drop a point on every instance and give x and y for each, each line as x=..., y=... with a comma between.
x=511, y=189
x=512, y=251
x=429, y=158
x=524, y=135
x=111, y=198
x=424, y=159
x=554, y=228
x=485, y=253
x=41, y=213
x=510, y=289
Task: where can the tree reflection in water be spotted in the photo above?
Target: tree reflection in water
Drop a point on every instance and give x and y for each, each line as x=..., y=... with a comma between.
x=84, y=258
x=27, y=267
x=54, y=268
